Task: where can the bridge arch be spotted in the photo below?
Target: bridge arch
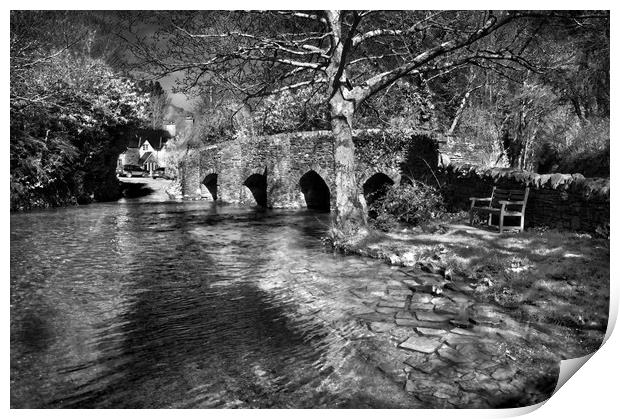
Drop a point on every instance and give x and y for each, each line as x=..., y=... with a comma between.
x=376, y=187
x=210, y=182
x=257, y=184
x=315, y=190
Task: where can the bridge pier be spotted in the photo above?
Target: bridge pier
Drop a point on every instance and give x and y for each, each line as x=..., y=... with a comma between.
x=190, y=179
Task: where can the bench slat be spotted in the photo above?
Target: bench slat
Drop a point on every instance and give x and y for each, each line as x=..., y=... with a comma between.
x=514, y=203
x=510, y=191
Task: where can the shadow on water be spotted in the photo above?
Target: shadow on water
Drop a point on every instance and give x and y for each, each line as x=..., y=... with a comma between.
x=196, y=316
x=173, y=342
x=135, y=190
x=185, y=305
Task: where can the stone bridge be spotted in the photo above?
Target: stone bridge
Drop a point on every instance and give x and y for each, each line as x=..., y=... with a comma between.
x=291, y=170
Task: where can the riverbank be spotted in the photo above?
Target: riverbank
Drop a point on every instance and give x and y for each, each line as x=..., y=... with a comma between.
x=545, y=276
x=536, y=297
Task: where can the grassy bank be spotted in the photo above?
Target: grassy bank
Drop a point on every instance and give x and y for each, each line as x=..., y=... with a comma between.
x=554, y=279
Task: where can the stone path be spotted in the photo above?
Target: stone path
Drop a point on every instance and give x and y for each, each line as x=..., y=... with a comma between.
x=450, y=350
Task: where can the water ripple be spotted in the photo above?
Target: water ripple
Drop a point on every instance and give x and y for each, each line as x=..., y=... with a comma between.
x=182, y=305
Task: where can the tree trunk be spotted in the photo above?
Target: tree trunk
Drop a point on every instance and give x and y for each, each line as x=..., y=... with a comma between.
x=349, y=209
x=349, y=212
x=459, y=111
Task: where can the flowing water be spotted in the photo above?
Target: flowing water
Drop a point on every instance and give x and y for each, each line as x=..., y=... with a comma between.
x=146, y=305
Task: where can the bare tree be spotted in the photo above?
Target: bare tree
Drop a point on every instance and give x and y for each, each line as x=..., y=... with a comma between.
x=351, y=55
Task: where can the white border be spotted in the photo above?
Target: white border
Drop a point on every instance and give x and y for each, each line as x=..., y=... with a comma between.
x=592, y=392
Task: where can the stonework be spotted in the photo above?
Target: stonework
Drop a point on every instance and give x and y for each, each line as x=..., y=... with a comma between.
x=555, y=200
x=233, y=171
x=283, y=159
x=473, y=367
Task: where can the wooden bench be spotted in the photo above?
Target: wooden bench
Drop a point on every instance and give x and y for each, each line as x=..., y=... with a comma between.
x=504, y=203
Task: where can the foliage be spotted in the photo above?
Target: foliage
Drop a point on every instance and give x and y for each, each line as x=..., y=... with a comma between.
x=69, y=113
x=406, y=105
x=481, y=128
x=288, y=111
x=216, y=117
x=410, y=203
x=403, y=107
x=584, y=149
x=178, y=150
x=158, y=103
x=373, y=146
x=603, y=231
x=532, y=117
x=532, y=128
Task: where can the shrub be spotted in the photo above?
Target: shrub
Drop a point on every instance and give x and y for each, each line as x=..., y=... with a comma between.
x=410, y=203
x=584, y=149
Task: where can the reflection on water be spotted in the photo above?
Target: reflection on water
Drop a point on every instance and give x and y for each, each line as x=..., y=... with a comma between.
x=184, y=305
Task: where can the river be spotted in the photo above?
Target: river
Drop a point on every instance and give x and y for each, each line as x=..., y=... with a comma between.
x=142, y=304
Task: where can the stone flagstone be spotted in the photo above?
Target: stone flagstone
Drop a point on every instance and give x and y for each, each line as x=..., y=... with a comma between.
x=432, y=317
x=430, y=279
x=380, y=327
x=489, y=321
x=440, y=300
x=387, y=310
x=418, y=323
x=463, y=332
x=453, y=339
x=392, y=303
x=427, y=331
x=411, y=283
x=404, y=315
x=461, y=322
x=375, y=317
x=416, y=359
x=453, y=355
x=421, y=307
x=458, y=297
x=431, y=366
x=447, y=308
x=410, y=322
x=359, y=292
x=503, y=373
x=421, y=344
x=398, y=292
x=393, y=283
x=421, y=298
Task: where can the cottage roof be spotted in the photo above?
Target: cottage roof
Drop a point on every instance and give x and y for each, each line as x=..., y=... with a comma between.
x=157, y=138
x=158, y=143
x=146, y=157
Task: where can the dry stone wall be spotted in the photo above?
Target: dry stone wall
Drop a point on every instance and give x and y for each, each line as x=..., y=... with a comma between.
x=556, y=200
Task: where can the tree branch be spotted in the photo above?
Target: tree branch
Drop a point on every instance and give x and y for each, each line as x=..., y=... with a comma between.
x=358, y=39
x=378, y=82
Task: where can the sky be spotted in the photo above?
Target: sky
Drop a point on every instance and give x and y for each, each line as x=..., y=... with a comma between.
x=167, y=82
x=178, y=99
